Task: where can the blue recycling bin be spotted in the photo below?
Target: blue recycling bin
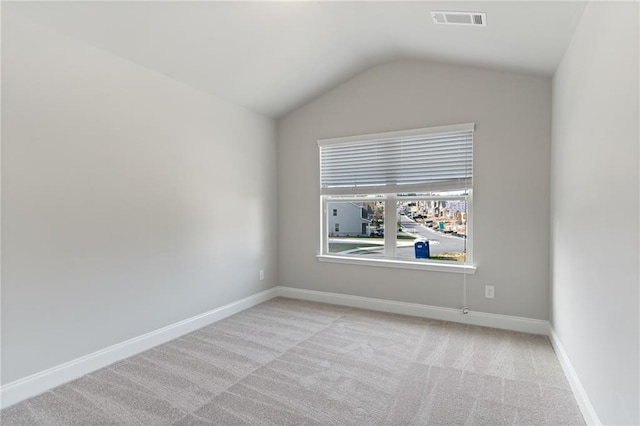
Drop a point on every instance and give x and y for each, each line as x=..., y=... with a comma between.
x=422, y=249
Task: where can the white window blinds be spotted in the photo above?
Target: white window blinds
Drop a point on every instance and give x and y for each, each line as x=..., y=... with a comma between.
x=433, y=159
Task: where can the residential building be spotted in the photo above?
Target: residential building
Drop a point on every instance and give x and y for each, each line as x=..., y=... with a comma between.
x=348, y=219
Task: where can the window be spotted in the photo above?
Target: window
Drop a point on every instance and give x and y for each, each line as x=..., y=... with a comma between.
x=405, y=198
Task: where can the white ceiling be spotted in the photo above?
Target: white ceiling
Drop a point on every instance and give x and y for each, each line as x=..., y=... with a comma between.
x=274, y=56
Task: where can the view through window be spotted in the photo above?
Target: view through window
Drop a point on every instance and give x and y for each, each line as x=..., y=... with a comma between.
x=440, y=220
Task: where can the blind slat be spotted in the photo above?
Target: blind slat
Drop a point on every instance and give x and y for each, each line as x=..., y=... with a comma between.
x=438, y=161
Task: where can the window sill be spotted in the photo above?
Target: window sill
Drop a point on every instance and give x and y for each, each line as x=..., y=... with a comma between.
x=400, y=264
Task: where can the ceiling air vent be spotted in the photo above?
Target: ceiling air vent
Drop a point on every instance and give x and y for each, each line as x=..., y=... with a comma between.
x=460, y=18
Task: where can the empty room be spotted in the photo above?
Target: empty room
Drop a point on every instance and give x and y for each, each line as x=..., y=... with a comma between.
x=320, y=212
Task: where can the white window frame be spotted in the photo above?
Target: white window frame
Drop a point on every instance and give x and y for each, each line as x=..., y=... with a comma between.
x=390, y=217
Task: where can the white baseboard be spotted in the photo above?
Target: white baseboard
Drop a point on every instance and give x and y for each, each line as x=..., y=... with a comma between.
x=588, y=412
x=38, y=383
x=506, y=322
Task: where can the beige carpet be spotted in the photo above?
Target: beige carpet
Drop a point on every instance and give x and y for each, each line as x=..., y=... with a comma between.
x=289, y=362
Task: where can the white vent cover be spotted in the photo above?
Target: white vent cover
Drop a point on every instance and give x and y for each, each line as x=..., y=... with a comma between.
x=460, y=18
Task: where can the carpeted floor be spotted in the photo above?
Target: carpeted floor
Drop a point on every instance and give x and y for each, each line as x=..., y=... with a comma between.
x=289, y=362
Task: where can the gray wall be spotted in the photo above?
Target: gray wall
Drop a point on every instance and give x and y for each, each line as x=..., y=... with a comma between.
x=129, y=201
x=595, y=211
x=512, y=113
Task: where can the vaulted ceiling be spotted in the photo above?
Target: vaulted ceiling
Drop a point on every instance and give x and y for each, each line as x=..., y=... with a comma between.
x=274, y=56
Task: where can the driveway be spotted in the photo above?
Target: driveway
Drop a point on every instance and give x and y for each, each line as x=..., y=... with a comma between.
x=444, y=243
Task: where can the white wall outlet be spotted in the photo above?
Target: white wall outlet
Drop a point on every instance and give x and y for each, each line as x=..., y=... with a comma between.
x=261, y=274
x=489, y=291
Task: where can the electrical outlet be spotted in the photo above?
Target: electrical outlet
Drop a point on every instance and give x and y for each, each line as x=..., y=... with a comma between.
x=261, y=274
x=489, y=291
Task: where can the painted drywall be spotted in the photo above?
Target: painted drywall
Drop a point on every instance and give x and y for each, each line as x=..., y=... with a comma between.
x=286, y=53
x=512, y=113
x=129, y=200
x=594, y=211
